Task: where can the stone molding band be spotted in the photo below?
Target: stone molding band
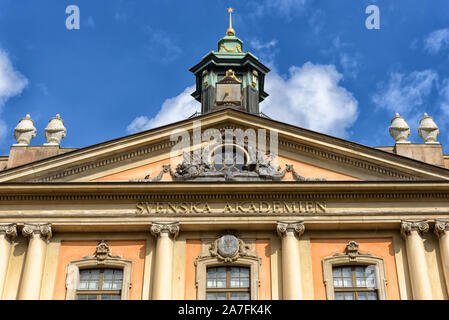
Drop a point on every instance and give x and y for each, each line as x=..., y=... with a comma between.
x=297, y=227
x=171, y=228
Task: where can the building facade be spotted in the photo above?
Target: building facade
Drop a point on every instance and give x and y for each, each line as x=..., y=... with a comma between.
x=228, y=204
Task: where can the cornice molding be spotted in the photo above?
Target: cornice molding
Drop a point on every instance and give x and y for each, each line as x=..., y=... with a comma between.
x=317, y=152
x=271, y=195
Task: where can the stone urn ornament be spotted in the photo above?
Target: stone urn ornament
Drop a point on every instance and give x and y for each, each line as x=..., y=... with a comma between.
x=25, y=131
x=399, y=129
x=428, y=130
x=55, y=131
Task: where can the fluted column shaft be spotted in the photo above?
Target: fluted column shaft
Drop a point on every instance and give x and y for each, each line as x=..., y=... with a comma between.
x=291, y=266
x=163, y=269
x=442, y=231
x=411, y=232
x=39, y=235
x=8, y=232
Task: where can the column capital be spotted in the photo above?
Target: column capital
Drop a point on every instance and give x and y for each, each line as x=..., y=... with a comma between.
x=441, y=226
x=9, y=230
x=407, y=226
x=42, y=230
x=171, y=228
x=297, y=227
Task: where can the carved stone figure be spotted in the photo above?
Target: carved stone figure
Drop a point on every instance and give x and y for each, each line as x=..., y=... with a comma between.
x=24, y=131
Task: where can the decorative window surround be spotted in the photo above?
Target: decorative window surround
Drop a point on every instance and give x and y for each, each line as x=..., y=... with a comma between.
x=102, y=258
x=241, y=256
x=352, y=257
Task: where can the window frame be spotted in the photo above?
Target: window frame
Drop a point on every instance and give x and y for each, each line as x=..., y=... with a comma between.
x=341, y=260
x=74, y=267
x=228, y=290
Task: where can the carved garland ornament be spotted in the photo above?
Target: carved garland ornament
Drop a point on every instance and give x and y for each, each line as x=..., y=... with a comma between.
x=229, y=248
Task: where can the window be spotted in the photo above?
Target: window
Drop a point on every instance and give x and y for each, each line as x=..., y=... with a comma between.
x=102, y=276
x=228, y=283
x=355, y=282
x=100, y=284
x=354, y=275
x=228, y=158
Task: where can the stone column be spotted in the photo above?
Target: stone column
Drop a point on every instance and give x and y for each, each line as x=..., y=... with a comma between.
x=39, y=235
x=442, y=232
x=411, y=232
x=163, y=266
x=8, y=232
x=291, y=267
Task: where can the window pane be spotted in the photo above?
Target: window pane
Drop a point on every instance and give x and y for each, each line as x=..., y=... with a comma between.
x=244, y=272
x=91, y=297
x=244, y=283
x=118, y=274
x=235, y=272
x=211, y=283
x=336, y=272
x=361, y=282
x=221, y=283
x=372, y=295
x=240, y=296
x=362, y=296
x=211, y=272
x=347, y=282
x=216, y=296
x=117, y=285
x=110, y=297
x=371, y=276
x=83, y=285
x=338, y=283
x=84, y=274
x=93, y=285
x=107, y=285
x=221, y=272
x=347, y=272
x=360, y=271
x=235, y=283
x=349, y=296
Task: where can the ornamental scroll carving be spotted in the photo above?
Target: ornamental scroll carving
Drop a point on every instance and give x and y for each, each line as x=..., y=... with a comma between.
x=102, y=252
x=297, y=227
x=171, y=228
x=441, y=226
x=9, y=230
x=352, y=251
x=41, y=230
x=407, y=226
x=196, y=169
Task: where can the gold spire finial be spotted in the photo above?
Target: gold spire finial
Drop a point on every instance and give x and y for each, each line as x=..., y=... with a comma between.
x=230, y=31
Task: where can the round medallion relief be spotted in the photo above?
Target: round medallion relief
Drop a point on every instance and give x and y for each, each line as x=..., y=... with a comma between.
x=228, y=246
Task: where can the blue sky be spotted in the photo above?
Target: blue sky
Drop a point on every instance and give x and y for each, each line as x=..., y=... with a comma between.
x=126, y=68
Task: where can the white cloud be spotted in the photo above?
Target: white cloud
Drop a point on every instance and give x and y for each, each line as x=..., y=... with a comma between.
x=11, y=81
x=12, y=84
x=437, y=40
x=258, y=45
x=161, y=46
x=404, y=93
x=311, y=97
x=174, y=109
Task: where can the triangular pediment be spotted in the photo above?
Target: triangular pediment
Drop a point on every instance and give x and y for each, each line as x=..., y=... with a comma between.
x=301, y=152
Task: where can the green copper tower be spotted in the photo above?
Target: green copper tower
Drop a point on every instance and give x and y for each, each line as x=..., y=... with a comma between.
x=229, y=77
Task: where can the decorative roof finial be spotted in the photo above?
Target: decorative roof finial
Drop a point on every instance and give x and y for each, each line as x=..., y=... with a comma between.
x=230, y=31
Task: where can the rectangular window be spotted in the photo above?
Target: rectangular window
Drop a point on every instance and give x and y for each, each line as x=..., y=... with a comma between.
x=100, y=284
x=228, y=283
x=355, y=282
